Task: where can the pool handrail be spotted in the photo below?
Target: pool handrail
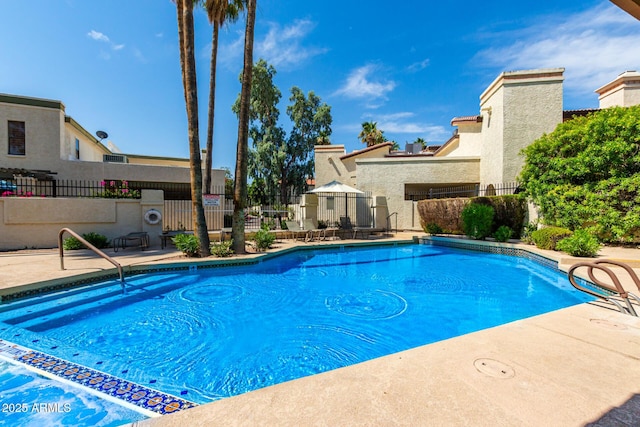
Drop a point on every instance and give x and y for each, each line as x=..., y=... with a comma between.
x=91, y=247
x=616, y=290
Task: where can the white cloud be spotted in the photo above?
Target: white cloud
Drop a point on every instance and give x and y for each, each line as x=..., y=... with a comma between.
x=101, y=37
x=96, y=35
x=593, y=46
x=361, y=84
x=283, y=48
x=418, y=66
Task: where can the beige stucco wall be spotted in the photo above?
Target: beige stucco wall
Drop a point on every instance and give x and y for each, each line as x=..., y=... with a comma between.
x=468, y=143
x=517, y=108
x=35, y=222
x=388, y=176
x=622, y=96
x=333, y=164
x=623, y=91
x=328, y=166
x=492, y=146
x=90, y=149
x=43, y=128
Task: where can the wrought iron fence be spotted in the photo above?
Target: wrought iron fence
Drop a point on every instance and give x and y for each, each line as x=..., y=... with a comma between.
x=473, y=190
x=357, y=207
x=218, y=210
x=30, y=187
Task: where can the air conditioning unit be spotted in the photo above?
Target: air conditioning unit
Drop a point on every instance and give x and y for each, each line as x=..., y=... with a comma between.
x=114, y=158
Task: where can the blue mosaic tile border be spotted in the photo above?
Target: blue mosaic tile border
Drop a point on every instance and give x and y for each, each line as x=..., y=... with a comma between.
x=495, y=249
x=149, y=401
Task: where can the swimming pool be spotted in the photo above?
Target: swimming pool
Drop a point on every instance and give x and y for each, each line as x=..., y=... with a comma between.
x=206, y=334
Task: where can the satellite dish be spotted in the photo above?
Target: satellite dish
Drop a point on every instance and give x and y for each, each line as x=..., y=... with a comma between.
x=102, y=135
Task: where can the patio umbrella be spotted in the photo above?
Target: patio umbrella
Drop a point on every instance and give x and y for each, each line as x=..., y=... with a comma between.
x=338, y=187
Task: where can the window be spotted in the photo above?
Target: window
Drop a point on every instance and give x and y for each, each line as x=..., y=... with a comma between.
x=77, y=149
x=17, y=140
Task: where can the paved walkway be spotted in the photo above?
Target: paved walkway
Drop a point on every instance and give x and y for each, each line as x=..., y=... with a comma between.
x=572, y=367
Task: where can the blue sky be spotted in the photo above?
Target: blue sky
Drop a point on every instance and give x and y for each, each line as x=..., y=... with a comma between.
x=114, y=64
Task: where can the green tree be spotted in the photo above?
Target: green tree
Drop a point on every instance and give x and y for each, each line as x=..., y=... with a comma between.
x=586, y=174
x=218, y=12
x=242, y=152
x=370, y=134
x=280, y=163
x=188, y=66
x=421, y=141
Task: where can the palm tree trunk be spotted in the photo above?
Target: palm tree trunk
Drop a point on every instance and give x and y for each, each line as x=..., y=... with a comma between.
x=179, y=9
x=212, y=108
x=242, y=153
x=195, y=161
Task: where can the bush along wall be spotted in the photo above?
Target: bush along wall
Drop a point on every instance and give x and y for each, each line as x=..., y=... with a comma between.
x=510, y=211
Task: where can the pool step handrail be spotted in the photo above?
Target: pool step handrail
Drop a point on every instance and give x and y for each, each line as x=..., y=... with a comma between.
x=91, y=247
x=615, y=287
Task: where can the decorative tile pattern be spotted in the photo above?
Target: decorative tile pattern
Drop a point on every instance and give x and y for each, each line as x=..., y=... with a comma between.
x=144, y=398
x=494, y=249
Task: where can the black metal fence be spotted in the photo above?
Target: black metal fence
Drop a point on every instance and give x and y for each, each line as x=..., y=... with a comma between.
x=473, y=190
x=29, y=187
x=218, y=210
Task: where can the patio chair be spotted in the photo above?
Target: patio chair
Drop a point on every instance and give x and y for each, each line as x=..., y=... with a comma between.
x=139, y=237
x=309, y=226
x=345, y=224
x=294, y=230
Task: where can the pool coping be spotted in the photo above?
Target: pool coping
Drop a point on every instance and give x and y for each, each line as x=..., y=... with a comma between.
x=137, y=397
x=59, y=284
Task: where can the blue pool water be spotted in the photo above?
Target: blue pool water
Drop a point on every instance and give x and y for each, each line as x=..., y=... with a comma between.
x=219, y=332
x=28, y=399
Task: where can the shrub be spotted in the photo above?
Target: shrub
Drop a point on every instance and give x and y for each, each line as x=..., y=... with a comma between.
x=585, y=174
x=548, y=237
x=187, y=244
x=581, y=244
x=477, y=220
x=72, y=244
x=527, y=230
x=222, y=249
x=503, y=233
x=509, y=210
x=268, y=224
x=264, y=239
x=96, y=239
x=432, y=228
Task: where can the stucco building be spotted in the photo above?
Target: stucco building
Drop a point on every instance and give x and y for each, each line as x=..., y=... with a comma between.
x=37, y=139
x=515, y=109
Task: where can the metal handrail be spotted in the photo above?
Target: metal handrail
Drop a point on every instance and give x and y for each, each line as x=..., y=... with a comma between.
x=90, y=246
x=616, y=289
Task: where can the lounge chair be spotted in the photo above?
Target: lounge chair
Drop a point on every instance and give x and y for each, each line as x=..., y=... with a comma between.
x=141, y=238
x=294, y=230
x=345, y=224
x=309, y=226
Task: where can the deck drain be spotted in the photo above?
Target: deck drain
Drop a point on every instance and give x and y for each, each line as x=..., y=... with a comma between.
x=494, y=368
x=608, y=324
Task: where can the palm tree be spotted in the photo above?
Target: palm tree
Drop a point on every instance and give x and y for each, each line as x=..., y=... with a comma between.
x=218, y=12
x=370, y=134
x=188, y=63
x=242, y=154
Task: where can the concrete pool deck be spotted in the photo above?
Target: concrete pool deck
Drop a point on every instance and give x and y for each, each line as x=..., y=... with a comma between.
x=572, y=367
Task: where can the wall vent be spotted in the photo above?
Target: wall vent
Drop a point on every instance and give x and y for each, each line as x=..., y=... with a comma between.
x=114, y=158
